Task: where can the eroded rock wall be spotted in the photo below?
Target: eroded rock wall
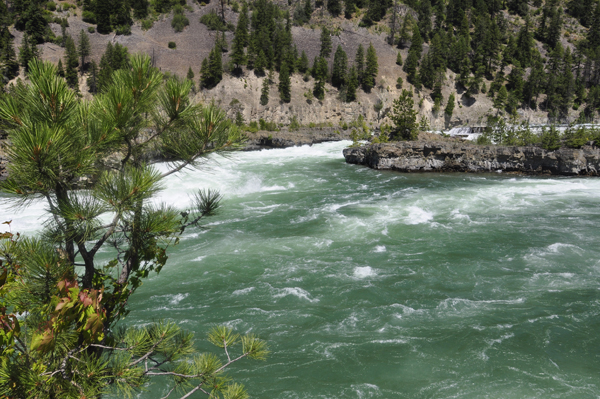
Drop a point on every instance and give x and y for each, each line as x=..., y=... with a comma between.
x=464, y=157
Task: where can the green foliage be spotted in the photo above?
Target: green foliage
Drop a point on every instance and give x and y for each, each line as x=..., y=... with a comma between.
x=285, y=84
x=172, y=45
x=371, y=69
x=326, y=46
x=179, y=21
x=320, y=78
x=264, y=93
x=294, y=124
x=449, y=110
x=213, y=21
x=550, y=139
x=74, y=346
x=404, y=117
x=340, y=66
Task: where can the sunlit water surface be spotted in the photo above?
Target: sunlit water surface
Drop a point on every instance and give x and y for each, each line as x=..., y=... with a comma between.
x=370, y=284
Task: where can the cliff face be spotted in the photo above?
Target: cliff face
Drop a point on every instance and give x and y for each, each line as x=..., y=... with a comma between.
x=463, y=157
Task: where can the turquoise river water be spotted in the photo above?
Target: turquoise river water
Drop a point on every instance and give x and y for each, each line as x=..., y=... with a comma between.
x=370, y=284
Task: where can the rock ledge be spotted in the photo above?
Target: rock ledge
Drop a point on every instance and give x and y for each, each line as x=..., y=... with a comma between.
x=419, y=156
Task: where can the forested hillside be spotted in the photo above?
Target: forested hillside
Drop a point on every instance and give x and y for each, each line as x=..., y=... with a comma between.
x=330, y=61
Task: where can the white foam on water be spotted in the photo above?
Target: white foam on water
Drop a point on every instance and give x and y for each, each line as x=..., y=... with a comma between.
x=199, y=258
x=380, y=248
x=364, y=272
x=173, y=299
x=294, y=291
x=243, y=291
x=418, y=215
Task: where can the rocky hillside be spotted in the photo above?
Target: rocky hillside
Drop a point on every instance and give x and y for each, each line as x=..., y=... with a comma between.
x=242, y=93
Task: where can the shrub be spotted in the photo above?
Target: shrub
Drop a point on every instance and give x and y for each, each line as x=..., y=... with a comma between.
x=235, y=7
x=51, y=6
x=147, y=24
x=212, y=21
x=179, y=22
x=550, y=139
x=89, y=17
x=91, y=29
x=294, y=124
x=123, y=30
x=172, y=45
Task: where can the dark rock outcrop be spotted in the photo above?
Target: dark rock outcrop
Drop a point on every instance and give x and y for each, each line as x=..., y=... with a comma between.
x=284, y=139
x=419, y=156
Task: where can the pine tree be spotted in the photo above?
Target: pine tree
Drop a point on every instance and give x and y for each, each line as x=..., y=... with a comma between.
x=352, y=85
x=424, y=24
x=320, y=78
x=190, y=74
x=449, y=110
x=71, y=63
x=359, y=61
x=204, y=73
x=8, y=58
x=404, y=117
x=92, y=81
x=140, y=8
x=405, y=30
x=27, y=52
x=501, y=97
x=371, y=69
x=399, y=59
x=325, y=43
x=238, y=56
x=303, y=63
x=285, y=84
x=349, y=6
x=241, y=29
x=260, y=64
x=84, y=48
x=59, y=69
x=103, y=10
x=340, y=66
x=334, y=7
x=308, y=10
x=264, y=93
x=525, y=44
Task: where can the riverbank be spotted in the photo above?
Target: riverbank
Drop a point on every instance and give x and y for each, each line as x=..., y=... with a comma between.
x=447, y=156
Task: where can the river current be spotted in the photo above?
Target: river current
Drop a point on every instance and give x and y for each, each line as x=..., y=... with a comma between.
x=371, y=284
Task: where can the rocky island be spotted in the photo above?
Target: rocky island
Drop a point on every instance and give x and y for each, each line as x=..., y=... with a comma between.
x=454, y=156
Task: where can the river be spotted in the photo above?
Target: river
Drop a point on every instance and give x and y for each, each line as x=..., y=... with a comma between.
x=370, y=284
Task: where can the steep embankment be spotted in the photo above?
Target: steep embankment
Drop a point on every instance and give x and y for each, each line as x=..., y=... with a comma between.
x=422, y=156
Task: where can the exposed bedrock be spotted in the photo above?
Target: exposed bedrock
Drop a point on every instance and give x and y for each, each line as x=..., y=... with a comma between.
x=463, y=157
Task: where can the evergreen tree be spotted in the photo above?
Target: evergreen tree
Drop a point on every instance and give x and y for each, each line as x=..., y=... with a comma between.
x=190, y=74
x=340, y=66
x=264, y=93
x=371, y=69
x=103, y=10
x=84, y=48
x=238, y=55
x=449, y=110
x=404, y=117
x=204, y=72
x=325, y=43
x=407, y=27
x=140, y=8
x=308, y=10
x=260, y=64
x=320, y=78
x=92, y=81
x=359, y=61
x=525, y=44
x=27, y=52
x=501, y=97
x=71, y=63
x=59, y=69
x=285, y=84
x=399, y=59
x=424, y=24
x=303, y=63
x=241, y=29
x=352, y=85
x=349, y=6
x=8, y=59
x=334, y=7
